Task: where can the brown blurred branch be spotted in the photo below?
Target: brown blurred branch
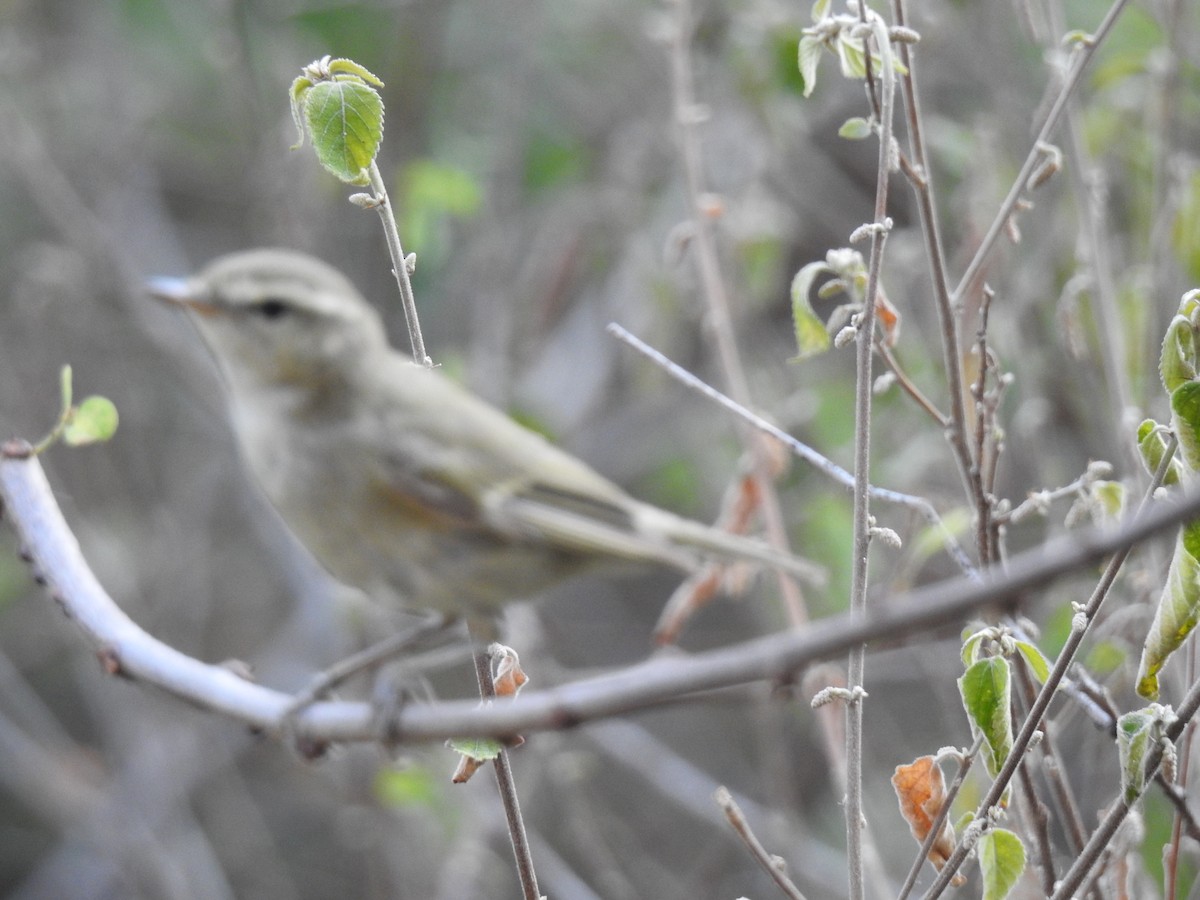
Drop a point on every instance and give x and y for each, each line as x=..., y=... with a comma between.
x=125, y=649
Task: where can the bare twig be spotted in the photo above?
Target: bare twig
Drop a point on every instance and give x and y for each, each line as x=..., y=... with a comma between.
x=505, y=783
x=1083, y=55
x=855, y=674
x=383, y=205
x=774, y=865
x=822, y=463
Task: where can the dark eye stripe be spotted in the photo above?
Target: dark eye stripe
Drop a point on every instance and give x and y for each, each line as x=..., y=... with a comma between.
x=273, y=308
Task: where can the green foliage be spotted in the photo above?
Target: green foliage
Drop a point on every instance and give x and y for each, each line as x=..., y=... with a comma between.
x=811, y=336
x=335, y=103
x=1176, y=617
x=1001, y=862
x=1178, y=609
x=986, y=689
x=1138, y=733
x=856, y=128
x=482, y=749
x=93, y=421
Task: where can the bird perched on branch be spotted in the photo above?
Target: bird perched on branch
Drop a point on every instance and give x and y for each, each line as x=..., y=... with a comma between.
x=399, y=481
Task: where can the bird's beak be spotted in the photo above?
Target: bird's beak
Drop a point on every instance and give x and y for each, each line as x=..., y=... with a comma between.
x=181, y=292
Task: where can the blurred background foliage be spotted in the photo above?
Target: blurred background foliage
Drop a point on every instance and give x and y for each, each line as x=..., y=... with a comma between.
x=531, y=155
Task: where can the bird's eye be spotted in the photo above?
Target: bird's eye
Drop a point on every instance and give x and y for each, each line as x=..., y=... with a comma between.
x=273, y=308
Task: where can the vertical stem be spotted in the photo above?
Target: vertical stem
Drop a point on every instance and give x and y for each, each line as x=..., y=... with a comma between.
x=507, y=786
x=862, y=462
x=383, y=205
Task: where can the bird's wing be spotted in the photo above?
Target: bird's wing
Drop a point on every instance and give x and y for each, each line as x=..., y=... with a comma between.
x=469, y=459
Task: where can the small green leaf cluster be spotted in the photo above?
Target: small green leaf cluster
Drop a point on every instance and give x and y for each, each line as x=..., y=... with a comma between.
x=1179, y=607
x=842, y=35
x=335, y=103
x=849, y=272
x=1138, y=733
x=986, y=690
x=986, y=687
x=93, y=421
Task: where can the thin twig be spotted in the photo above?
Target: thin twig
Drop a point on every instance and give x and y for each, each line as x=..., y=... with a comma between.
x=956, y=433
x=855, y=676
x=506, y=784
x=383, y=205
x=1083, y=55
x=822, y=463
x=774, y=865
x=909, y=387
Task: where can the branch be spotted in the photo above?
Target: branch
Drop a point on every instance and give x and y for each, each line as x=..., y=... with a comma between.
x=58, y=564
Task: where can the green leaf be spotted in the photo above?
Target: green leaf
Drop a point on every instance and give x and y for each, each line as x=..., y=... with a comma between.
x=850, y=55
x=93, y=421
x=350, y=67
x=810, y=59
x=476, y=748
x=820, y=9
x=1177, y=614
x=1136, y=736
x=855, y=129
x=1001, y=862
x=1180, y=357
x=987, y=696
x=970, y=649
x=1152, y=443
x=1185, y=421
x=1034, y=658
x=811, y=336
x=345, y=122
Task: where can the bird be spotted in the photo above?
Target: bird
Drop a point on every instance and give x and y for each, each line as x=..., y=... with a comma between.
x=399, y=481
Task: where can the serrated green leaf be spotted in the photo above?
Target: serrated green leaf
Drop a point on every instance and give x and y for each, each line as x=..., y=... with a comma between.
x=1152, y=443
x=811, y=336
x=345, y=123
x=1001, y=862
x=350, y=67
x=1176, y=617
x=1135, y=731
x=93, y=421
x=809, y=61
x=855, y=128
x=1180, y=357
x=970, y=648
x=1035, y=659
x=300, y=87
x=986, y=689
x=1185, y=421
x=476, y=748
